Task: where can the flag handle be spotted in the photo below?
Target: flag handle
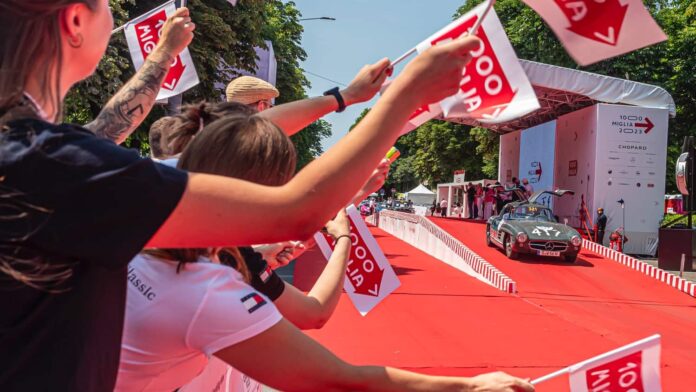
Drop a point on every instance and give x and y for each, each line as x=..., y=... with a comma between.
x=550, y=376
x=402, y=58
x=408, y=54
x=123, y=26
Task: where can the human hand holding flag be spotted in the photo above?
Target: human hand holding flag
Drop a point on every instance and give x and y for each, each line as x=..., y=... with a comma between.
x=494, y=87
x=165, y=31
x=631, y=368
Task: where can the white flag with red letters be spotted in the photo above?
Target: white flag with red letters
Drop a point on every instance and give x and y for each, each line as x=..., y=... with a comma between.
x=494, y=87
x=632, y=368
x=143, y=34
x=369, y=276
x=594, y=30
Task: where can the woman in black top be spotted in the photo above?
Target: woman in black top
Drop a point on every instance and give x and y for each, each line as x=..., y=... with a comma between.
x=74, y=209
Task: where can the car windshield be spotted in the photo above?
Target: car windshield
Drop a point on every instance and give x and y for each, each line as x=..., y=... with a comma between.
x=530, y=212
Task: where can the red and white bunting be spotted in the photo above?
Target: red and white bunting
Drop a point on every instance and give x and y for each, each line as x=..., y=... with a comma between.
x=369, y=276
x=595, y=30
x=494, y=87
x=143, y=34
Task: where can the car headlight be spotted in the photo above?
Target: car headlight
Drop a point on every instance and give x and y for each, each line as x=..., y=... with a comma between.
x=576, y=241
x=522, y=237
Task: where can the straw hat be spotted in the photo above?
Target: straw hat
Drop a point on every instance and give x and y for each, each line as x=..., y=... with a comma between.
x=248, y=89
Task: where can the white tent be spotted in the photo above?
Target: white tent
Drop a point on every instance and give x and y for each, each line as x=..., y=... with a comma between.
x=421, y=195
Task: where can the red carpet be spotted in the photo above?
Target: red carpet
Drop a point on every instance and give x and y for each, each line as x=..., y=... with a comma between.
x=602, y=297
x=441, y=321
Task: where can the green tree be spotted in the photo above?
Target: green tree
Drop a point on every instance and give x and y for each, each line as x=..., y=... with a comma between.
x=670, y=64
x=225, y=38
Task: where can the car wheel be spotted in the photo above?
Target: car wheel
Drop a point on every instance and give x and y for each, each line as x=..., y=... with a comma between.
x=570, y=258
x=488, y=237
x=511, y=254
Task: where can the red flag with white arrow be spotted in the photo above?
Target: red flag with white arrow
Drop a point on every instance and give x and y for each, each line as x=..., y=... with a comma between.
x=595, y=30
x=494, y=87
x=369, y=276
x=143, y=34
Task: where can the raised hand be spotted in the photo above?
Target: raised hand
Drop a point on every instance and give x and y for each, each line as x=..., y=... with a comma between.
x=433, y=75
x=338, y=226
x=177, y=32
x=366, y=83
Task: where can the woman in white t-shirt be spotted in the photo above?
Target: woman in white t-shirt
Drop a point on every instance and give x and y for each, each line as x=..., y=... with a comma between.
x=178, y=315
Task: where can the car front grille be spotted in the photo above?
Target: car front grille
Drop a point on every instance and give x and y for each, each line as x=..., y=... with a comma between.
x=552, y=246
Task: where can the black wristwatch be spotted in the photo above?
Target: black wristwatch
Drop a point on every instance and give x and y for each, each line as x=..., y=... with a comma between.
x=337, y=94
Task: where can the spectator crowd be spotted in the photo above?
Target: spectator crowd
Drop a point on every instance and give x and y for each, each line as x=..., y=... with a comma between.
x=119, y=272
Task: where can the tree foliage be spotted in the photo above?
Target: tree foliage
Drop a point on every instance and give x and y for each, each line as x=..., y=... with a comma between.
x=433, y=151
x=670, y=64
x=225, y=36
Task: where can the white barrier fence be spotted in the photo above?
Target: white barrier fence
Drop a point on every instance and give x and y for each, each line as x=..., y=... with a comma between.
x=421, y=233
x=642, y=267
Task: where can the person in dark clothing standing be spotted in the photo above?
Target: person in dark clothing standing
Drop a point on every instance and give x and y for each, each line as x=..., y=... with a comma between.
x=601, y=225
x=516, y=186
x=471, y=200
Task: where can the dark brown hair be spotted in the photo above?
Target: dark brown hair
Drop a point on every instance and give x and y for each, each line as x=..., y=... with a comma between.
x=31, y=44
x=175, y=133
x=159, y=134
x=242, y=146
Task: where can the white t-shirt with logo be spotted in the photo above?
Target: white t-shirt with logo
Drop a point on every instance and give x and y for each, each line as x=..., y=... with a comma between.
x=175, y=322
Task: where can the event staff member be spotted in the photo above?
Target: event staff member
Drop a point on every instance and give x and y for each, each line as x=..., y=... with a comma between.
x=78, y=208
x=515, y=185
x=471, y=200
x=601, y=225
x=443, y=207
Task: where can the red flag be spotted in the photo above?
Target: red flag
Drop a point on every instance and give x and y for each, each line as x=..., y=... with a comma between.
x=494, y=87
x=631, y=368
x=143, y=34
x=594, y=30
x=369, y=276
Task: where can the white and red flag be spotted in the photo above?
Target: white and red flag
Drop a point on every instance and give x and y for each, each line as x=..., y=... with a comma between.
x=632, y=368
x=143, y=34
x=494, y=87
x=594, y=30
x=369, y=276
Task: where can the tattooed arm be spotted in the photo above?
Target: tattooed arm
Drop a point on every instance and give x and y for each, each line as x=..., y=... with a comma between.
x=133, y=102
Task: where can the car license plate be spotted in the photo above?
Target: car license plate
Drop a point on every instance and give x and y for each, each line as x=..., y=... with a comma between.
x=548, y=253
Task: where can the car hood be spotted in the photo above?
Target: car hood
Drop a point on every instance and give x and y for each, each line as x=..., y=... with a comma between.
x=545, y=230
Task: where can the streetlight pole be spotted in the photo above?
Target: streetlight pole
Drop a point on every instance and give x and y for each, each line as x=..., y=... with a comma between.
x=319, y=18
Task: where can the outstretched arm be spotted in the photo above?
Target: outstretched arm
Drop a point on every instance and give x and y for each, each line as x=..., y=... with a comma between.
x=126, y=110
x=313, y=310
x=293, y=117
x=275, y=364
x=218, y=211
